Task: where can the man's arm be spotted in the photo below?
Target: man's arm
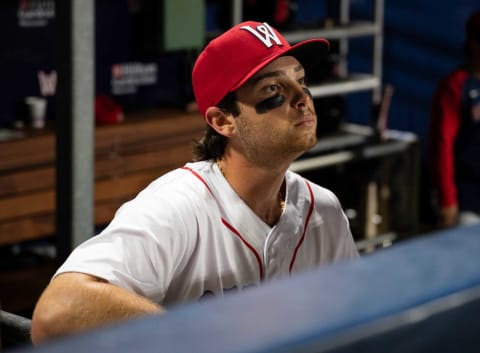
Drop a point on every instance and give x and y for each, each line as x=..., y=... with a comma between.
x=74, y=302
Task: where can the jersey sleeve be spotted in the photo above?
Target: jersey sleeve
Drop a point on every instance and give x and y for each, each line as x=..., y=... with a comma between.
x=443, y=130
x=140, y=250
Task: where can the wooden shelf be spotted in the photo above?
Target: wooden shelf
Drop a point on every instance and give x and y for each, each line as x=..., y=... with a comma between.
x=128, y=156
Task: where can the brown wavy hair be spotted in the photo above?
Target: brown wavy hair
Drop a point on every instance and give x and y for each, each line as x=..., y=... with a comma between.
x=212, y=145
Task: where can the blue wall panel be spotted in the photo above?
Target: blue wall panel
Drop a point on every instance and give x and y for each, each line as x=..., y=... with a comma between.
x=423, y=41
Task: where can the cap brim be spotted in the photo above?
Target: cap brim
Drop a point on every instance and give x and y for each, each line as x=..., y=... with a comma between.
x=308, y=52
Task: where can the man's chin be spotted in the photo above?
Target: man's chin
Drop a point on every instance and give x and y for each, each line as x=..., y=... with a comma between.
x=311, y=141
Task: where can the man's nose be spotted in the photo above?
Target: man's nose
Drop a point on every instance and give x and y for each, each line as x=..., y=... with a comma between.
x=301, y=95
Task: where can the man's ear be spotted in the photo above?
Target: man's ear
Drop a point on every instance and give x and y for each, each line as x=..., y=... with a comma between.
x=220, y=120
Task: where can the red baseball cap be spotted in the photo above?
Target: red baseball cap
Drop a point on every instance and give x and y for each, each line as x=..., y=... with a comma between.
x=232, y=58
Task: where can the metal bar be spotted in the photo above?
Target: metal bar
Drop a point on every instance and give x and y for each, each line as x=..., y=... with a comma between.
x=378, y=49
x=353, y=83
x=74, y=124
x=351, y=30
x=330, y=159
x=237, y=11
x=343, y=42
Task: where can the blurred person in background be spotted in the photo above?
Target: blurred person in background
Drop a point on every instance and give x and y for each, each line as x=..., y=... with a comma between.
x=454, y=137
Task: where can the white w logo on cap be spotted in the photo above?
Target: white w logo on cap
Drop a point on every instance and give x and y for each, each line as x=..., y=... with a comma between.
x=265, y=33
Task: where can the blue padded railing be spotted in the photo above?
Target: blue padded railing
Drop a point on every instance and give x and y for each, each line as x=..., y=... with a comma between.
x=421, y=295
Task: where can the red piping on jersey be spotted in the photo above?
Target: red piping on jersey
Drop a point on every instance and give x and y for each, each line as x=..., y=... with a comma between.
x=228, y=225
x=200, y=178
x=252, y=249
x=300, y=242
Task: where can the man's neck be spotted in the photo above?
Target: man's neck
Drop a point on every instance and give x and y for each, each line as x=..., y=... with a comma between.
x=261, y=188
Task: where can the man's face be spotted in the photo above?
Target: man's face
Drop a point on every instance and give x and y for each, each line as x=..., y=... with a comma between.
x=277, y=118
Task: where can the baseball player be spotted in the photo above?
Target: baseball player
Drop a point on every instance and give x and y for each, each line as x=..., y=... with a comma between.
x=454, y=137
x=233, y=218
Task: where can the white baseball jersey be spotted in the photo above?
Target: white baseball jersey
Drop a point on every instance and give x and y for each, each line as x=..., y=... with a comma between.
x=188, y=235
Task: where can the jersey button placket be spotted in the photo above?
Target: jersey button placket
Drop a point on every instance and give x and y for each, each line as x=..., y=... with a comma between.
x=269, y=259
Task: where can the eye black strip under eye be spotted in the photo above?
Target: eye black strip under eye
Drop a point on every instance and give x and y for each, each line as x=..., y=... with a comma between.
x=269, y=104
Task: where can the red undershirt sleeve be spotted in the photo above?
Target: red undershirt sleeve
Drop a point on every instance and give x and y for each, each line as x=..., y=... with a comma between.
x=444, y=126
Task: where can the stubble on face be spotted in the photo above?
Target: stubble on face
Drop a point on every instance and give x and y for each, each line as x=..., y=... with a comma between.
x=281, y=132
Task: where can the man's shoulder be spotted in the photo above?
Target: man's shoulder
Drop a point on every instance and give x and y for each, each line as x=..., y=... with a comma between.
x=191, y=175
x=180, y=189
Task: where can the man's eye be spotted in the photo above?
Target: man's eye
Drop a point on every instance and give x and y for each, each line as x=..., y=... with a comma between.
x=272, y=88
